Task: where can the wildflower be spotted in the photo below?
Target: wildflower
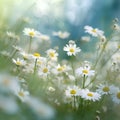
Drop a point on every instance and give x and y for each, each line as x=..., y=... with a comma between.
x=88, y=95
x=17, y=48
x=36, y=55
x=103, y=89
x=85, y=38
x=44, y=70
x=22, y=94
x=10, y=35
x=93, y=31
x=52, y=54
x=8, y=83
x=30, y=32
x=116, y=96
x=71, y=49
x=85, y=71
x=40, y=108
x=72, y=91
x=51, y=89
x=8, y=105
x=19, y=62
x=44, y=37
x=61, y=35
x=25, y=55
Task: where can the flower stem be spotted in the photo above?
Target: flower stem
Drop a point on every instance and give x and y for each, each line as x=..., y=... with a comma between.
x=29, y=48
x=84, y=79
x=35, y=66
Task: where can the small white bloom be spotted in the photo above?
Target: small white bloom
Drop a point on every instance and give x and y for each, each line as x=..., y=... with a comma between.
x=30, y=32
x=71, y=49
x=35, y=56
x=52, y=54
x=25, y=55
x=72, y=91
x=116, y=96
x=103, y=89
x=93, y=31
x=88, y=95
x=44, y=37
x=40, y=108
x=85, y=38
x=44, y=70
x=51, y=89
x=85, y=71
x=22, y=94
x=10, y=34
x=19, y=62
x=62, y=35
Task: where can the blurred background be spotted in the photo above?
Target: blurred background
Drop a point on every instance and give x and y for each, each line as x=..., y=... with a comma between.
x=47, y=16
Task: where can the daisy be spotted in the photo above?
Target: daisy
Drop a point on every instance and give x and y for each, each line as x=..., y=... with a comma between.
x=61, y=34
x=36, y=55
x=22, y=94
x=88, y=95
x=44, y=37
x=19, y=62
x=25, y=55
x=103, y=89
x=116, y=96
x=93, y=31
x=84, y=71
x=71, y=49
x=72, y=91
x=30, y=32
x=60, y=69
x=52, y=54
x=44, y=70
x=11, y=34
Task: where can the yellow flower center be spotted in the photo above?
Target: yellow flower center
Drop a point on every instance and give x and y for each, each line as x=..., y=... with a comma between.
x=21, y=94
x=45, y=70
x=94, y=30
x=73, y=92
x=60, y=69
x=85, y=71
x=90, y=94
x=18, y=63
x=72, y=50
x=36, y=54
x=106, y=89
x=118, y=95
x=52, y=54
x=118, y=46
x=32, y=34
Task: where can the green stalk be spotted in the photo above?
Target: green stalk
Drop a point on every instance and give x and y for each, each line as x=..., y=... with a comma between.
x=29, y=48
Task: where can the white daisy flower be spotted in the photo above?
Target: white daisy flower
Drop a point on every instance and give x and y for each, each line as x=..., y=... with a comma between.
x=71, y=49
x=60, y=69
x=93, y=31
x=10, y=34
x=116, y=96
x=25, y=55
x=19, y=62
x=22, y=94
x=62, y=35
x=72, y=91
x=44, y=70
x=88, y=95
x=52, y=54
x=35, y=56
x=84, y=71
x=103, y=89
x=44, y=37
x=51, y=89
x=30, y=32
